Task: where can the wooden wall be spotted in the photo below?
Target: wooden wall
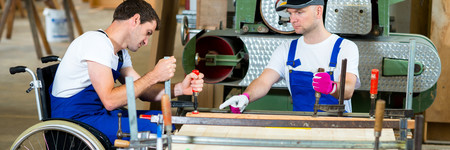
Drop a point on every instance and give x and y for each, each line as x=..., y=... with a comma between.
x=437, y=117
x=210, y=13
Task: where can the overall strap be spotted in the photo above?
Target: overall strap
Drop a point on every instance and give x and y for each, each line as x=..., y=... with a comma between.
x=336, y=49
x=291, y=55
x=101, y=31
x=120, y=54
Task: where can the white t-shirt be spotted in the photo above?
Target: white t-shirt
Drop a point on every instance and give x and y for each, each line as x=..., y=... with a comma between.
x=314, y=56
x=72, y=74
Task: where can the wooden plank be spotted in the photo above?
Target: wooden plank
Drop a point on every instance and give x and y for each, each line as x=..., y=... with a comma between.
x=440, y=35
x=40, y=29
x=32, y=20
x=74, y=13
x=6, y=8
x=438, y=131
x=210, y=13
x=21, y=9
x=10, y=20
x=107, y=4
x=286, y=117
x=437, y=116
x=277, y=133
x=420, y=17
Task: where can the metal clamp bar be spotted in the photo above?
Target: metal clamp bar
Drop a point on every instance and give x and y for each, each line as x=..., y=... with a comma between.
x=167, y=84
x=342, y=84
x=418, y=132
x=403, y=129
x=132, y=116
x=277, y=142
x=410, y=76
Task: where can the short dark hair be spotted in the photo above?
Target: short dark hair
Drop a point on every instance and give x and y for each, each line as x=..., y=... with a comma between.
x=128, y=8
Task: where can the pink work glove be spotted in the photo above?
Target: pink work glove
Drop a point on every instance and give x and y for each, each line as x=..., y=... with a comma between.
x=237, y=103
x=323, y=84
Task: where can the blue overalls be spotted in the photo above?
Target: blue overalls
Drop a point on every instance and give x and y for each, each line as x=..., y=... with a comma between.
x=87, y=107
x=300, y=82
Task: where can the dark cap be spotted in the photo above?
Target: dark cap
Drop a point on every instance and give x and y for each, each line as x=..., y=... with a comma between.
x=298, y=4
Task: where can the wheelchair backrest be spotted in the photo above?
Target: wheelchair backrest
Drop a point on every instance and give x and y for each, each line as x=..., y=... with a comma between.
x=46, y=75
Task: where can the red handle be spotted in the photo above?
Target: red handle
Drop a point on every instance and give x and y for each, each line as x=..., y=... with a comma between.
x=374, y=81
x=197, y=73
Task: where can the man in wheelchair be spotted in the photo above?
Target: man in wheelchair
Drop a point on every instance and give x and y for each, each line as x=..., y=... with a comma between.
x=83, y=88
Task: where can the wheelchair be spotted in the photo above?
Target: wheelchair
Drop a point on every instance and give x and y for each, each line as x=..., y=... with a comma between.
x=55, y=133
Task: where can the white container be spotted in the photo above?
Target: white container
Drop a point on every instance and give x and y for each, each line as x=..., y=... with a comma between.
x=56, y=28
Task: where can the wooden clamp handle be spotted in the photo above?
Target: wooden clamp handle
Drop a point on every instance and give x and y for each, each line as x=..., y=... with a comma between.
x=121, y=143
x=379, y=115
x=321, y=70
x=167, y=112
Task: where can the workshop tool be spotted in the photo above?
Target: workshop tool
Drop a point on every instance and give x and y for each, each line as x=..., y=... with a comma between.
x=166, y=110
x=342, y=86
x=167, y=84
x=317, y=95
x=379, y=115
x=337, y=108
x=159, y=142
x=132, y=115
x=121, y=134
x=373, y=90
x=195, y=93
x=279, y=143
x=167, y=115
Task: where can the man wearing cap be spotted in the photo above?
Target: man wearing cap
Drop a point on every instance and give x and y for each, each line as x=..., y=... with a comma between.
x=297, y=62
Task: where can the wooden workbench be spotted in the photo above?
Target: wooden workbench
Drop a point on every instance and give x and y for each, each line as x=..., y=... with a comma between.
x=329, y=134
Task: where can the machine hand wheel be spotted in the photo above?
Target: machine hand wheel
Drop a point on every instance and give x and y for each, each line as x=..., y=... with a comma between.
x=57, y=135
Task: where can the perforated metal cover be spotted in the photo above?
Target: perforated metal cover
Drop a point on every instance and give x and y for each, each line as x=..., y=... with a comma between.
x=371, y=53
x=349, y=16
x=271, y=17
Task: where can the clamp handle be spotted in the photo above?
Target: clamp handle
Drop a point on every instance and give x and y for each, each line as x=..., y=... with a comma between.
x=196, y=73
x=379, y=115
x=317, y=95
x=374, y=81
x=167, y=112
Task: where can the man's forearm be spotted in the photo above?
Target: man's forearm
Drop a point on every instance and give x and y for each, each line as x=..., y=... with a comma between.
x=257, y=89
x=155, y=92
x=350, y=81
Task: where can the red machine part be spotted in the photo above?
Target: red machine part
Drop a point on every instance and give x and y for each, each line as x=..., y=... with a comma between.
x=214, y=45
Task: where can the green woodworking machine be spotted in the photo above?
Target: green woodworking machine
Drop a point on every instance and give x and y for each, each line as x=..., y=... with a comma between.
x=236, y=56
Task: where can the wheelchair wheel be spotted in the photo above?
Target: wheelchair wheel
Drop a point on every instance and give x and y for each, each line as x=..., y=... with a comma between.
x=56, y=135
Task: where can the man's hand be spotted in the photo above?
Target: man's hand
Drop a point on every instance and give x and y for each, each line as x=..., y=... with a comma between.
x=191, y=82
x=164, y=69
x=237, y=101
x=323, y=84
